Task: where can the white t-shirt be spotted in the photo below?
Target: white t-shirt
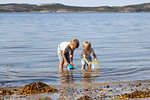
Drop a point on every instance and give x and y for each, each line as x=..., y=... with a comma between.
x=64, y=46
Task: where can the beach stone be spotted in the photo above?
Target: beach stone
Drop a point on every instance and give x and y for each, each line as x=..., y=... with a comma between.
x=138, y=84
x=107, y=86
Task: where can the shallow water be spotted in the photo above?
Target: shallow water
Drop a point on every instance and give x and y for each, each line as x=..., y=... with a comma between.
x=28, y=46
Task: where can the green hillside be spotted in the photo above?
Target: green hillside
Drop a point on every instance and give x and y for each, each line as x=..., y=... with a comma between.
x=64, y=8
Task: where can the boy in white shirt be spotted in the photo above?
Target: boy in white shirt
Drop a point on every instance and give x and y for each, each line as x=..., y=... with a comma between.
x=63, y=52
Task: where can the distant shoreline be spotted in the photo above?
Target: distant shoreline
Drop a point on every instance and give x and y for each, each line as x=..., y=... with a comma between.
x=74, y=12
x=60, y=8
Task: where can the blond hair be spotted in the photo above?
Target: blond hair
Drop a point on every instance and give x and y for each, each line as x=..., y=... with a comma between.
x=87, y=45
x=75, y=43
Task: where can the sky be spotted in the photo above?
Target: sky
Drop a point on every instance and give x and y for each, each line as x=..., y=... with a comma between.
x=91, y=3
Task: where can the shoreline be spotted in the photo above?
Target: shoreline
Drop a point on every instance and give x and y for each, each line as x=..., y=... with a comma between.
x=95, y=91
x=87, y=84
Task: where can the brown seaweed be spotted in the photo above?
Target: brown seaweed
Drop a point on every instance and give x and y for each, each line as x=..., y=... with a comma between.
x=136, y=94
x=85, y=98
x=36, y=88
x=5, y=92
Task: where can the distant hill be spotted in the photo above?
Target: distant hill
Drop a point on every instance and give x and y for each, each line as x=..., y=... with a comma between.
x=56, y=7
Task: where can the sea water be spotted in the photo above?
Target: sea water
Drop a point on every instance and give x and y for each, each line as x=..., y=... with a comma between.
x=28, y=47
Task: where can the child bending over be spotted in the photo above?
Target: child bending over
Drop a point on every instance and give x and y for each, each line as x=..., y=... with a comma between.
x=63, y=52
x=85, y=55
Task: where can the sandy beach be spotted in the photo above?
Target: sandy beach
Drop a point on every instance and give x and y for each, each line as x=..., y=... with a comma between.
x=92, y=91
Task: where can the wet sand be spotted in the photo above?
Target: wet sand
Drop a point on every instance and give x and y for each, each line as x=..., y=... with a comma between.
x=89, y=91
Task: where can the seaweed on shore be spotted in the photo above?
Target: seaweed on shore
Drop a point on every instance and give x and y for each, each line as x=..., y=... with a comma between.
x=36, y=88
x=5, y=92
x=136, y=94
x=32, y=88
x=44, y=98
x=85, y=98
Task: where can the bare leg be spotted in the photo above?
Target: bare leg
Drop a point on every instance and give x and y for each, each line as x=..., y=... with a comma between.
x=83, y=67
x=61, y=65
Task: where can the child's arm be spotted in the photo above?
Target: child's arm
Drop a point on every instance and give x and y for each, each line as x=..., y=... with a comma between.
x=71, y=56
x=86, y=60
x=94, y=55
x=66, y=62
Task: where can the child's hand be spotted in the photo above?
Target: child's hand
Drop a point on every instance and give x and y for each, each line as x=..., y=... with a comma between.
x=95, y=59
x=72, y=63
x=89, y=64
x=66, y=64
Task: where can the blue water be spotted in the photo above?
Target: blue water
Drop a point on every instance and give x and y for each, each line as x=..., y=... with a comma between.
x=28, y=47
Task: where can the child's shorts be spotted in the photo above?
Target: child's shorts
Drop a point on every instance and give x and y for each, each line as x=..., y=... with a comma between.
x=83, y=62
x=60, y=57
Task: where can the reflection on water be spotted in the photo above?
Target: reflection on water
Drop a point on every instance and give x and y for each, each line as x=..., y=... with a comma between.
x=67, y=77
x=90, y=75
x=86, y=76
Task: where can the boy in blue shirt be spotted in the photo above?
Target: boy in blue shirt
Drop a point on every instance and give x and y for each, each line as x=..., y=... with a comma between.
x=85, y=55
